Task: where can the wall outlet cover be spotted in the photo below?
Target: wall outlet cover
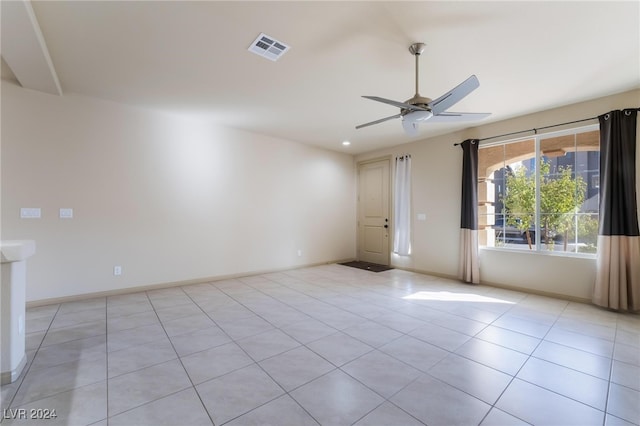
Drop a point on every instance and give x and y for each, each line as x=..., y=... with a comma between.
x=30, y=213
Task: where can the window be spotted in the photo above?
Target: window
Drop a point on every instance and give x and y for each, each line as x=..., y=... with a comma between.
x=541, y=193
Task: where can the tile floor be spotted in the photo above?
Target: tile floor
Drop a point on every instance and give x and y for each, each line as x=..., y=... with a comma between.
x=329, y=345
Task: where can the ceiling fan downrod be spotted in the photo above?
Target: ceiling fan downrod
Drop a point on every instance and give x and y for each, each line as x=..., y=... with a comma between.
x=416, y=49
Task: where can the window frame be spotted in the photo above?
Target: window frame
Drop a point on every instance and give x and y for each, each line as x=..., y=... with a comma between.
x=538, y=137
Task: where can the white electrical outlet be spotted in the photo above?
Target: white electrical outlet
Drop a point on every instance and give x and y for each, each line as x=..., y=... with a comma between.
x=117, y=270
x=30, y=213
x=299, y=253
x=66, y=213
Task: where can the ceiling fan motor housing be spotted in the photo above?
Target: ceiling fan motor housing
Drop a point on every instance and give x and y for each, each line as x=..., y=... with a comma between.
x=417, y=100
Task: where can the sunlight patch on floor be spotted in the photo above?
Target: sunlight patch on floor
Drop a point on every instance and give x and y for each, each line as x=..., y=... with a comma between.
x=445, y=296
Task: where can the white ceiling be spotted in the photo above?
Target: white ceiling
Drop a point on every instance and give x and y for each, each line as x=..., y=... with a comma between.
x=191, y=57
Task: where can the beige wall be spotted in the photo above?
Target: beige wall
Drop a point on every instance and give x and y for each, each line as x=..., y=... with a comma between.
x=167, y=198
x=436, y=186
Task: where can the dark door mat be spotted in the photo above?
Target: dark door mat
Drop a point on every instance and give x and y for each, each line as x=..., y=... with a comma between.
x=373, y=267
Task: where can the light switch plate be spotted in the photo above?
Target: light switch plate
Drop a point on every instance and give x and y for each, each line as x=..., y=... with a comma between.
x=66, y=213
x=422, y=216
x=30, y=213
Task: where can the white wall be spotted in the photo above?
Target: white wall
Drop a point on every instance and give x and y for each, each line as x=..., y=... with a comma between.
x=170, y=199
x=436, y=180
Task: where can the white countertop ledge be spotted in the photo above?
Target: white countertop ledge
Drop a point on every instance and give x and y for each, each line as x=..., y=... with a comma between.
x=16, y=250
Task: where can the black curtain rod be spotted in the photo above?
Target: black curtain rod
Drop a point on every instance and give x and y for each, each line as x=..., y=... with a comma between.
x=535, y=129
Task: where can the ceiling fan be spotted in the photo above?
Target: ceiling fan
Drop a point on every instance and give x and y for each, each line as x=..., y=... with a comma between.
x=419, y=109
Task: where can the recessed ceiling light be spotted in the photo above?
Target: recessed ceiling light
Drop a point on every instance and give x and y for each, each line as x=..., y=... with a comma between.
x=346, y=143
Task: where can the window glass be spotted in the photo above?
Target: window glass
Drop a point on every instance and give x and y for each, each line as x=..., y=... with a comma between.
x=541, y=193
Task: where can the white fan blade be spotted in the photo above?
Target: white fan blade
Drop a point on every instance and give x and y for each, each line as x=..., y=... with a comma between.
x=453, y=117
x=382, y=120
x=410, y=127
x=454, y=95
x=396, y=103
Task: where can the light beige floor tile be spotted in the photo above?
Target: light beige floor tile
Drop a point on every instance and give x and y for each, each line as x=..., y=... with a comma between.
x=167, y=301
x=583, y=347
x=308, y=331
x=34, y=340
x=181, y=408
x=414, y=352
x=523, y=326
x=123, y=339
x=626, y=375
x=81, y=406
x=136, y=357
x=580, y=326
x=82, y=305
x=214, y=362
x=492, y=355
x=38, y=324
x=536, y=405
x=628, y=337
x=339, y=348
x=136, y=320
x=459, y=324
x=61, y=353
x=435, y=402
x=78, y=317
x=282, y=411
x=565, y=381
x=439, y=336
x=284, y=318
x=533, y=315
x=484, y=314
x=576, y=359
x=623, y=403
x=336, y=399
x=341, y=319
x=296, y=367
x=583, y=342
x=485, y=383
x=610, y=420
x=127, y=298
x=372, y=333
x=8, y=391
x=267, y=344
x=142, y=386
x=176, y=312
x=381, y=373
x=43, y=382
x=189, y=343
x=230, y=312
x=237, y=393
x=47, y=311
x=188, y=324
x=627, y=353
x=245, y=327
x=498, y=417
x=509, y=339
x=400, y=322
x=77, y=332
x=388, y=414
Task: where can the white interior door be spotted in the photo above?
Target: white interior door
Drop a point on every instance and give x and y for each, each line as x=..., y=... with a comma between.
x=373, y=212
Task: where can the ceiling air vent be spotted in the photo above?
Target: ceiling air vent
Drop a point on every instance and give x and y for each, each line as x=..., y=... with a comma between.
x=268, y=47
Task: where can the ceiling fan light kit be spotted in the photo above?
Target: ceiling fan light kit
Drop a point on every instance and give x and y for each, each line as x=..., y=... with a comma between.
x=419, y=108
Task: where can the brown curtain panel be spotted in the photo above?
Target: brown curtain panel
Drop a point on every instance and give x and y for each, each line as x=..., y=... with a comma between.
x=468, y=269
x=618, y=266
